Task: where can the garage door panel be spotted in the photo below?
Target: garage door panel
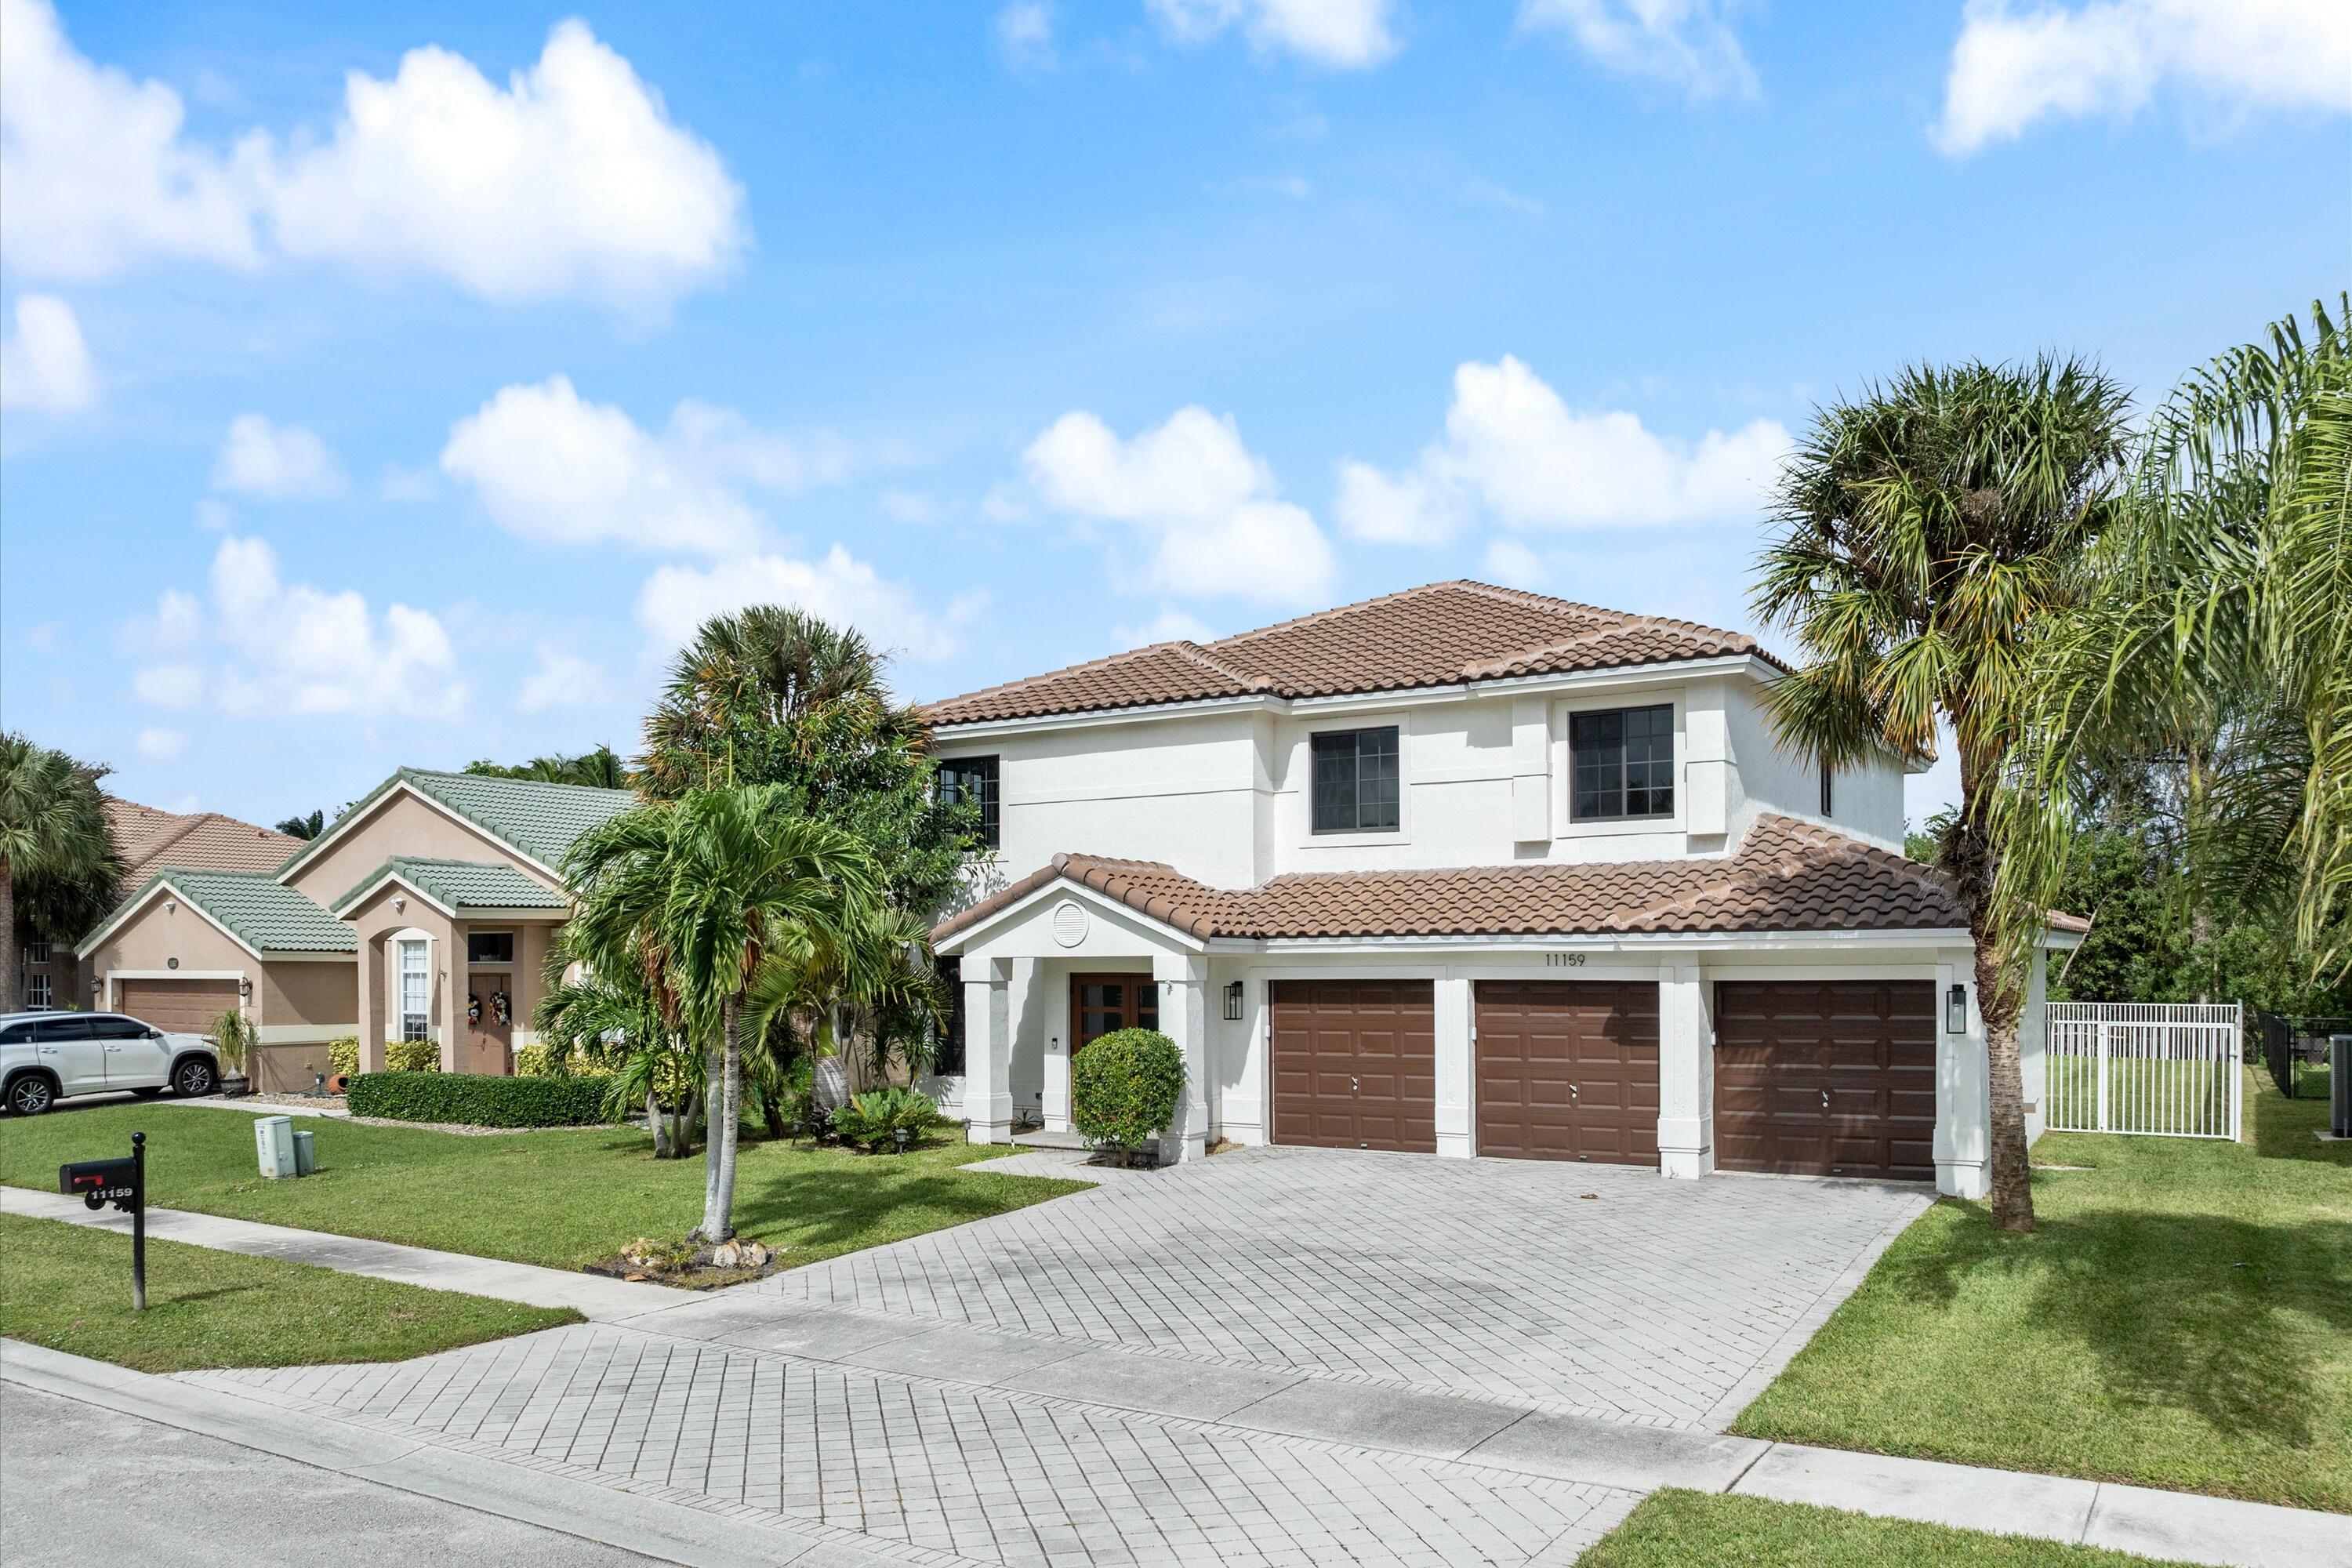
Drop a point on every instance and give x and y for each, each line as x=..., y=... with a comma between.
x=1568, y=1070
x=1355, y=1064
x=183, y=1006
x=1826, y=1077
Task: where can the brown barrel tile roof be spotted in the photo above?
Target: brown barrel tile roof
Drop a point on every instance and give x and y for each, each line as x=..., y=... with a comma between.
x=1786, y=876
x=1439, y=635
x=149, y=839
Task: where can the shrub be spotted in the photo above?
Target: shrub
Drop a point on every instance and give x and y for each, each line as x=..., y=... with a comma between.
x=479, y=1099
x=412, y=1055
x=236, y=1039
x=343, y=1055
x=541, y=1061
x=871, y=1118
x=1125, y=1086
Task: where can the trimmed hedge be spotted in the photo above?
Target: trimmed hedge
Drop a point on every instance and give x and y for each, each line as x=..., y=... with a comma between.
x=411, y=1056
x=1124, y=1086
x=479, y=1099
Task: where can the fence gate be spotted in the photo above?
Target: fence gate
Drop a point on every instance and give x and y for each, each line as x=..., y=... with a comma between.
x=2166, y=1068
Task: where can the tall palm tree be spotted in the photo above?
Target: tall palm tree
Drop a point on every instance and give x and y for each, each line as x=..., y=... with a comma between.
x=55, y=844
x=601, y=768
x=694, y=892
x=2217, y=637
x=1924, y=528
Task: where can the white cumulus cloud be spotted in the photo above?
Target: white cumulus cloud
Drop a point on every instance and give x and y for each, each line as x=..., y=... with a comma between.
x=1025, y=35
x=1511, y=562
x=270, y=461
x=2011, y=68
x=551, y=466
x=559, y=679
x=1347, y=33
x=1685, y=44
x=157, y=745
x=571, y=180
x=264, y=648
x=1207, y=506
x=677, y=600
x=1513, y=447
x=44, y=366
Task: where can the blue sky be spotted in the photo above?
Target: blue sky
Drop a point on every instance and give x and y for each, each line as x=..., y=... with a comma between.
x=396, y=385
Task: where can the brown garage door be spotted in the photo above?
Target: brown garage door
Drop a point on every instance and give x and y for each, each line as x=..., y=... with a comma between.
x=1568, y=1069
x=1355, y=1064
x=1826, y=1079
x=188, y=1005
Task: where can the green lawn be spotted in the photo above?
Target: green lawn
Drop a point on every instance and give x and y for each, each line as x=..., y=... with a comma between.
x=1675, y=1529
x=2182, y=1319
x=563, y=1199
x=69, y=1288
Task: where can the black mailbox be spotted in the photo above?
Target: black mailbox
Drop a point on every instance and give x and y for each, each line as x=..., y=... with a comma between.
x=99, y=1183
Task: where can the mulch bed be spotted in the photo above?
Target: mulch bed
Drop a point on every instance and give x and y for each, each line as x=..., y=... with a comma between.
x=684, y=1265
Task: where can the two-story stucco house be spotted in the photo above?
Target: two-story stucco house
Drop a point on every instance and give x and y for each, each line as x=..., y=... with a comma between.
x=1469, y=871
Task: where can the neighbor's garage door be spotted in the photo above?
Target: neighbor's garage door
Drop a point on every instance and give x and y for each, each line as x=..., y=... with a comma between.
x=1355, y=1064
x=1568, y=1069
x=187, y=1007
x=1826, y=1079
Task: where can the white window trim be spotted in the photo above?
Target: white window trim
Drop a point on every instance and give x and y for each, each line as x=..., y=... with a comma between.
x=1564, y=772
x=1304, y=769
x=46, y=994
x=396, y=1016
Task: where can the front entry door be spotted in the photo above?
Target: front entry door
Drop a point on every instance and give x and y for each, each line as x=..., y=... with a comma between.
x=490, y=1041
x=1100, y=1004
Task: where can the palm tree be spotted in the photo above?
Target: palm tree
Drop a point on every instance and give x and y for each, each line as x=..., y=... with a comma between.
x=309, y=826
x=600, y=768
x=2216, y=640
x=604, y=1014
x=1925, y=528
x=55, y=844
x=694, y=892
x=877, y=965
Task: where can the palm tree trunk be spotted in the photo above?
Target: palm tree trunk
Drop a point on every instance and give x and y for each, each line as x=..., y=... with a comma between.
x=12, y=978
x=1973, y=865
x=659, y=1125
x=718, y=1212
x=714, y=1068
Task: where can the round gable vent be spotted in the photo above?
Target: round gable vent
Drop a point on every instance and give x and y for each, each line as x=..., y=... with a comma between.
x=1070, y=922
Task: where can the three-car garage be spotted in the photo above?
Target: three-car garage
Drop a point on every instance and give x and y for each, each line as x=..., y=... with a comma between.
x=1812, y=1078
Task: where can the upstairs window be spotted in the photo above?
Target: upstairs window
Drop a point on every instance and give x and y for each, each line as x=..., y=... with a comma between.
x=489, y=947
x=1622, y=765
x=37, y=953
x=1356, y=781
x=972, y=779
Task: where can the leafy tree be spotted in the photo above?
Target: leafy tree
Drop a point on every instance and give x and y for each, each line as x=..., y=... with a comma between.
x=601, y=768
x=59, y=864
x=612, y=1015
x=2216, y=637
x=305, y=828
x=870, y=981
x=693, y=894
x=1924, y=527
x=776, y=696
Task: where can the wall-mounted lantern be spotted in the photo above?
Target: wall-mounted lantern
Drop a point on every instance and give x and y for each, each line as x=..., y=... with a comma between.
x=1956, y=1010
x=1234, y=1003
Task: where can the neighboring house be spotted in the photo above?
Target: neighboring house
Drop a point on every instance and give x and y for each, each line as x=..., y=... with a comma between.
x=423, y=912
x=1472, y=871
x=148, y=839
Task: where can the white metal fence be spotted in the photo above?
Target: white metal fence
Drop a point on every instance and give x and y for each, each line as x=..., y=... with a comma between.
x=2166, y=1068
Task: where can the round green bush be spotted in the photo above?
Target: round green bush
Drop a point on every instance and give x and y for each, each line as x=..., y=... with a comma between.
x=1125, y=1086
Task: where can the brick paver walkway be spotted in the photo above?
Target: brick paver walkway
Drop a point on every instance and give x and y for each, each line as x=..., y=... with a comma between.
x=1593, y=1289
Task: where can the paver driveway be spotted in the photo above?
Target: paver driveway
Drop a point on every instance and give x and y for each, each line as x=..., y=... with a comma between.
x=1601, y=1290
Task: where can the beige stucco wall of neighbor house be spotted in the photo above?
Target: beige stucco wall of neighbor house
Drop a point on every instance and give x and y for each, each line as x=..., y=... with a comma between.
x=399, y=825
x=167, y=937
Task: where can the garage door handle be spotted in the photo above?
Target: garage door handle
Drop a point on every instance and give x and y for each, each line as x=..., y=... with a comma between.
x=1825, y=1100
x=1571, y=1092
x=1355, y=1084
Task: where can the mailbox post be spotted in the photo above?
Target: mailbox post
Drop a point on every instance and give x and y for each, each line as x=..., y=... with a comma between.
x=123, y=1184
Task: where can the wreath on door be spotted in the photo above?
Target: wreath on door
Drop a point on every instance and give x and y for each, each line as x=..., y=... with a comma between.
x=473, y=1009
x=501, y=1009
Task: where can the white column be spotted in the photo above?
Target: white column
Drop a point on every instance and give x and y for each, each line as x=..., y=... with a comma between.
x=988, y=1049
x=1685, y=1073
x=1963, y=1088
x=1184, y=981
x=1458, y=1051
x=1055, y=1060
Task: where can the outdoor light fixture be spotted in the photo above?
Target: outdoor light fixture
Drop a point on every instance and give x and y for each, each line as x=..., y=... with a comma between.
x=1956, y=1010
x=1234, y=1003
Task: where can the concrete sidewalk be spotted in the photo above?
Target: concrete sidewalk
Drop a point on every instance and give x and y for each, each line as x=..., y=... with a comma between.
x=591, y=1295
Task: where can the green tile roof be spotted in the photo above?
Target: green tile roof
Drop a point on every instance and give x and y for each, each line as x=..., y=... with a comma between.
x=539, y=820
x=254, y=905
x=460, y=885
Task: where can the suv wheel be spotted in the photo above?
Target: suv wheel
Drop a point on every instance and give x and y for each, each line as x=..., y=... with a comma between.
x=31, y=1095
x=194, y=1078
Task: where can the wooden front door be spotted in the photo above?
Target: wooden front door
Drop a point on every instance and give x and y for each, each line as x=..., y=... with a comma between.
x=490, y=1042
x=1102, y=1003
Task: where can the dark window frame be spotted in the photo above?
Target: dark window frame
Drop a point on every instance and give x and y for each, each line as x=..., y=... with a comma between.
x=492, y=962
x=948, y=1060
x=1338, y=798
x=1619, y=756
x=955, y=785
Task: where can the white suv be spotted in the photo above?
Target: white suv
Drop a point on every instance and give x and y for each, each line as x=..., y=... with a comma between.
x=44, y=1056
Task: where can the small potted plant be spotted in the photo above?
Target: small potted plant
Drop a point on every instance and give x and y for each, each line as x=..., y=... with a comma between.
x=234, y=1038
